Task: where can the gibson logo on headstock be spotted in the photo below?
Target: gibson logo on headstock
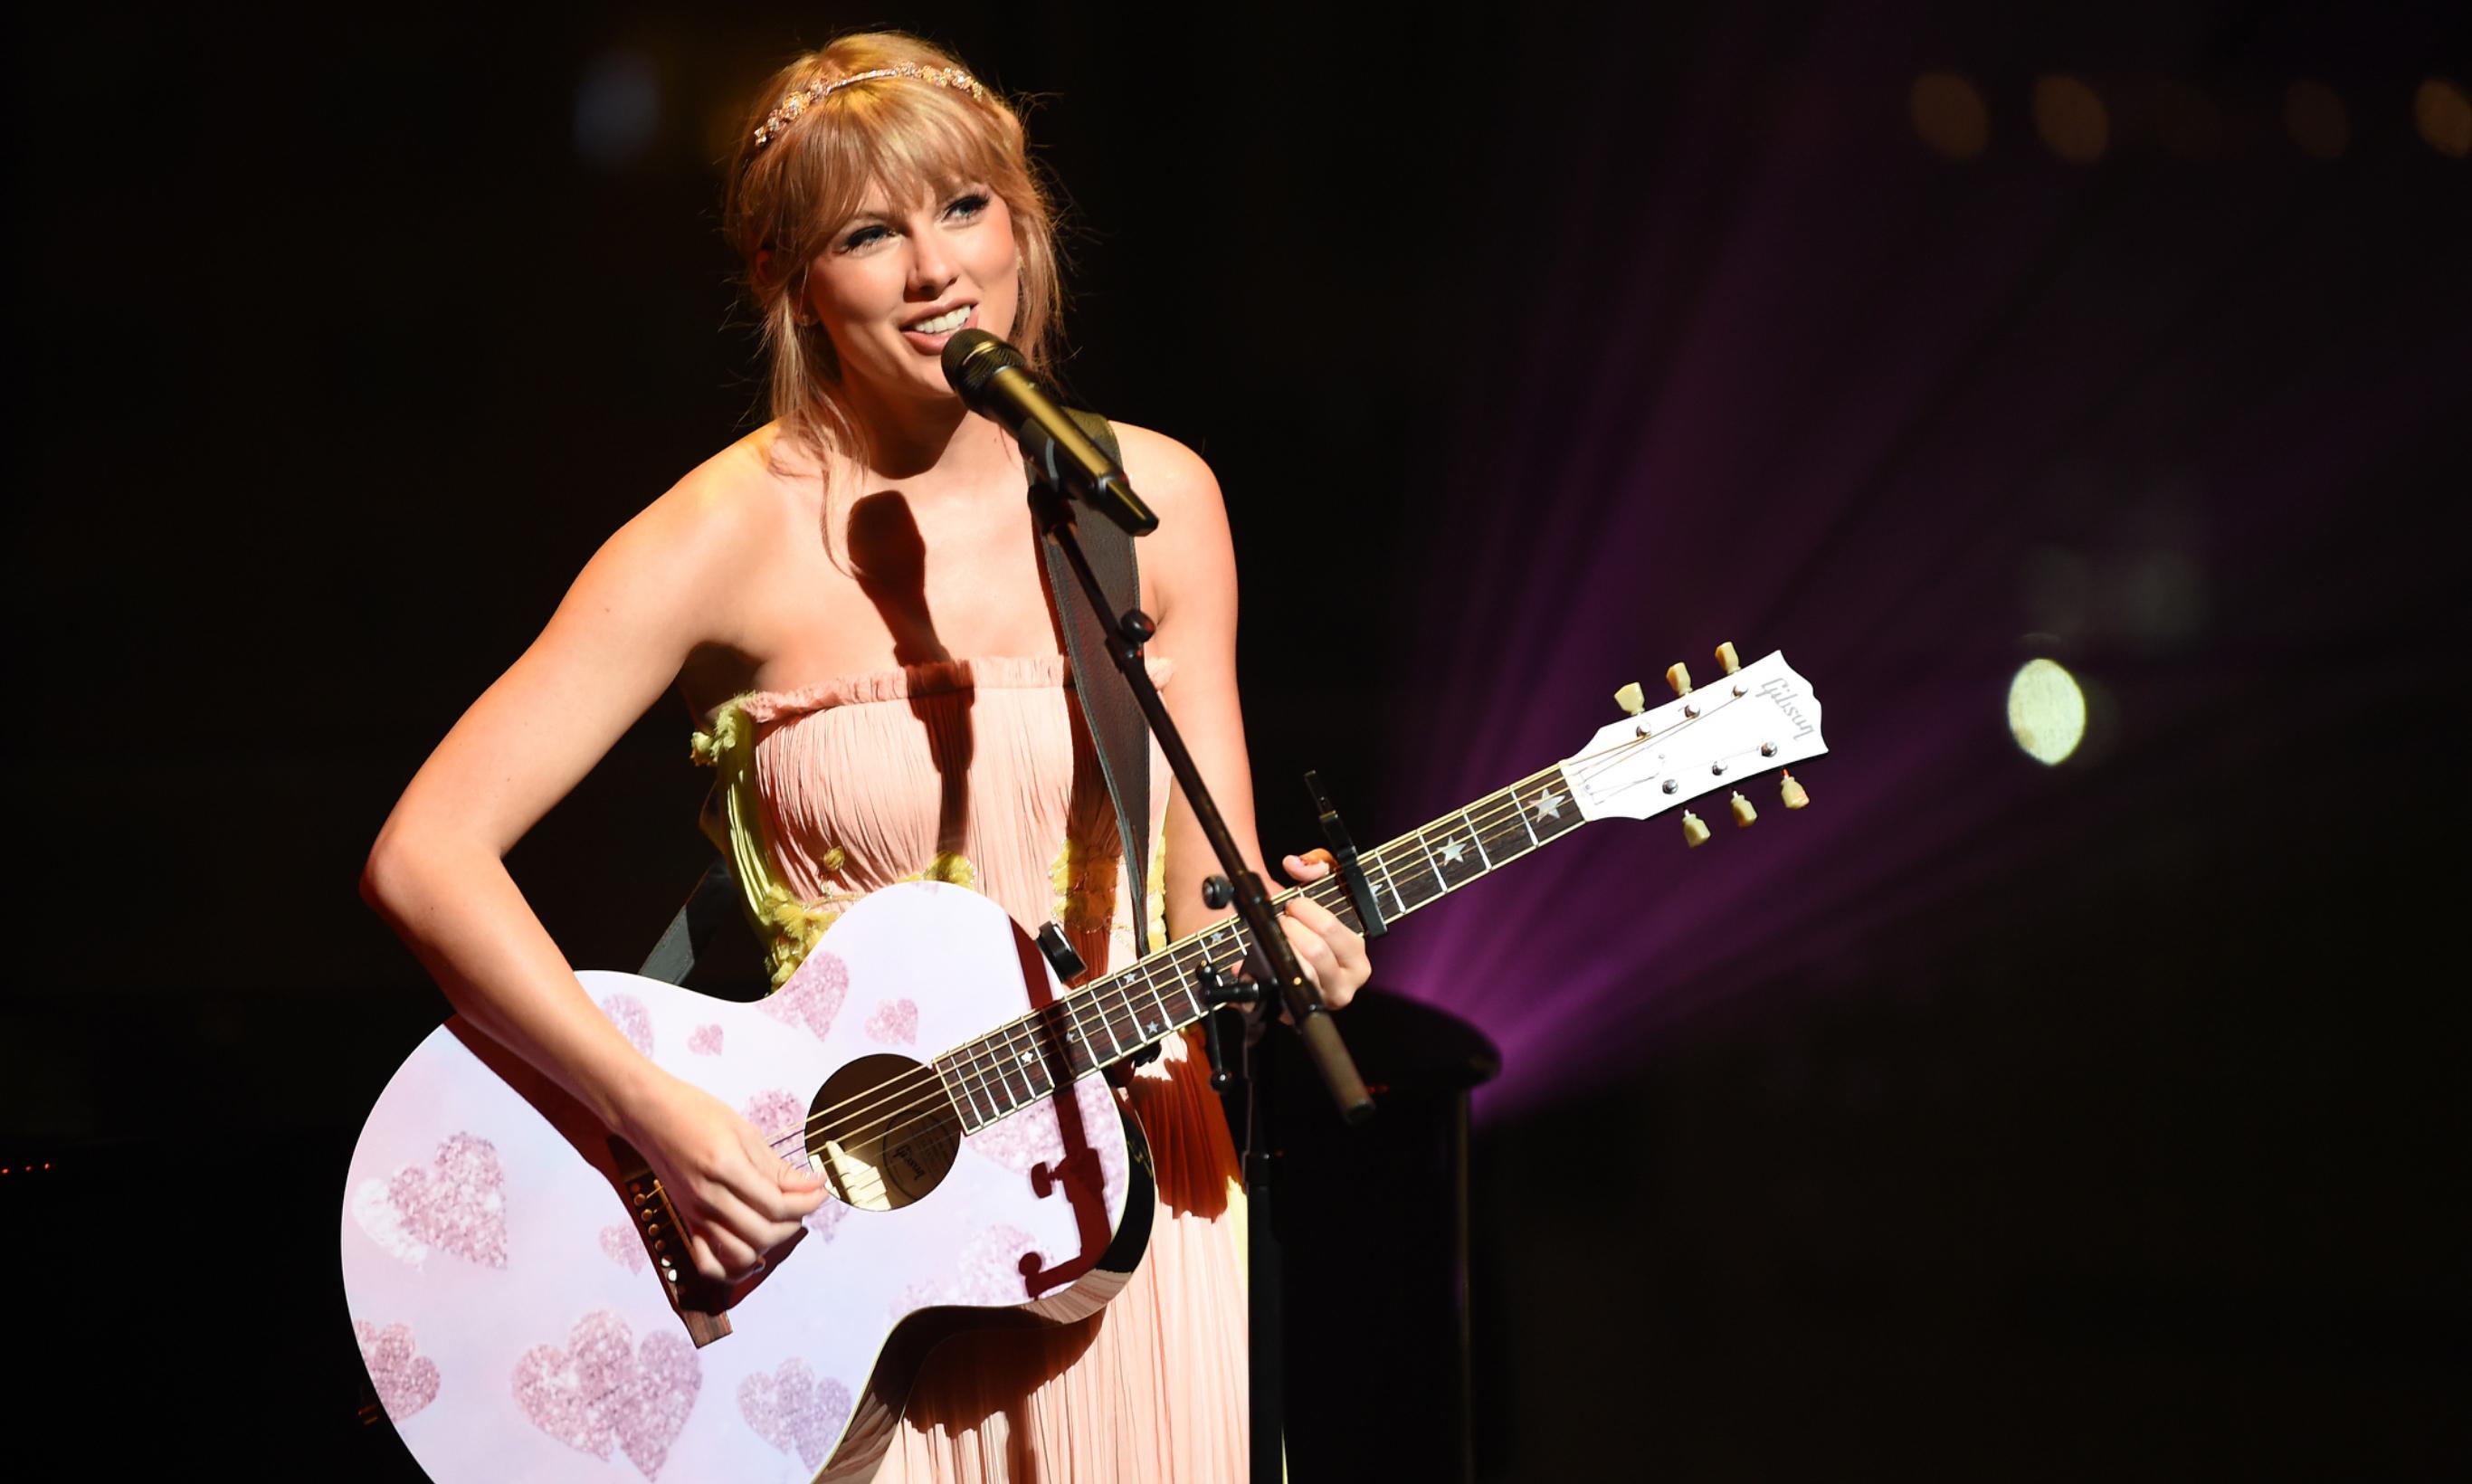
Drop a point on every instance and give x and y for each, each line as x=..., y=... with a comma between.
x=1780, y=693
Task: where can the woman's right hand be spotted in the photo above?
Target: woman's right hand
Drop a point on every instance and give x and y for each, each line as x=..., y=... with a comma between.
x=737, y=1199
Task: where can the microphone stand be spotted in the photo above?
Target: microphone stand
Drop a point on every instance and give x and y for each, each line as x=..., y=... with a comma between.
x=1127, y=633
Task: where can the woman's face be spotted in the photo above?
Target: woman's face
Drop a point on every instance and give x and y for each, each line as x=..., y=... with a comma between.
x=893, y=283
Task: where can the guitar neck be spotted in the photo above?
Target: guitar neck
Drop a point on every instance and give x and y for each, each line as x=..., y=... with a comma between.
x=1161, y=994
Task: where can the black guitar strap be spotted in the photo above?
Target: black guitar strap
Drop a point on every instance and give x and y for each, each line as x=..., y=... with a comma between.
x=1117, y=727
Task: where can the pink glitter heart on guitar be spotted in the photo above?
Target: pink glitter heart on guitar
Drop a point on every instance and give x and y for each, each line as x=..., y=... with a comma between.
x=602, y=1389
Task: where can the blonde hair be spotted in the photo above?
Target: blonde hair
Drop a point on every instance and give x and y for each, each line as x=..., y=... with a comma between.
x=918, y=139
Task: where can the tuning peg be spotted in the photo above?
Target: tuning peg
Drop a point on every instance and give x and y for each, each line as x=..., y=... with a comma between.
x=1630, y=699
x=1792, y=793
x=1745, y=816
x=1726, y=656
x=1679, y=678
x=1695, y=834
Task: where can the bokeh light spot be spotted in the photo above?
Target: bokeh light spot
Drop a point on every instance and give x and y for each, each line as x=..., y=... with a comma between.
x=1948, y=113
x=2443, y=115
x=2046, y=711
x=2316, y=119
x=2071, y=119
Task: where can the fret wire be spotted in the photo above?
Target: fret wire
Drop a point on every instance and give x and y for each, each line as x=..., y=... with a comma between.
x=1126, y=1044
x=990, y=1072
x=1419, y=844
x=992, y=1048
x=1033, y=1066
x=1383, y=865
x=1165, y=1017
x=1079, y=1058
x=1000, y=1065
x=1115, y=1047
x=1138, y=988
x=1188, y=1007
x=980, y=1089
x=1081, y=1033
x=1071, y=1036
x=1032, y=1061
x=1476, y=837
x=1010, y=1067
x=939, y=1064
x=1158, y=1027
x=1040, y=1036
x=974, y=1072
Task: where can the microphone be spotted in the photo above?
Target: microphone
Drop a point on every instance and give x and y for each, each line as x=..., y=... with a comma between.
x=992, y=378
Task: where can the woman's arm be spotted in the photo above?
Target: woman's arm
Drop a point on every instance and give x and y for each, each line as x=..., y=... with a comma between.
x=1191, y=569
x=437, y=872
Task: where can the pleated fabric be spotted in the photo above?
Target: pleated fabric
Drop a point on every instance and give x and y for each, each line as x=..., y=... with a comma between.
x=982, y=771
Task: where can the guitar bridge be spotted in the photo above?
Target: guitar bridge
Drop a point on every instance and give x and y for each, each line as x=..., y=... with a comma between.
x=700, y=1303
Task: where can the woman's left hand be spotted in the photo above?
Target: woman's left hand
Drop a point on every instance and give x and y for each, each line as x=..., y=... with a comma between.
x=1332, y=956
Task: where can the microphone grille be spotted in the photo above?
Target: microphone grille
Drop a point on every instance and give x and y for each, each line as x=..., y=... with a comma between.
x=972, y=358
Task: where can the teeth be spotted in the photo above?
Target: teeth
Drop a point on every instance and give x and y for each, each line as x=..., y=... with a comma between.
x=943, y=322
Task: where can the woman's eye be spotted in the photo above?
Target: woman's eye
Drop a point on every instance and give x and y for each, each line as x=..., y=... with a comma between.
x=967, y=206
x=862, y=237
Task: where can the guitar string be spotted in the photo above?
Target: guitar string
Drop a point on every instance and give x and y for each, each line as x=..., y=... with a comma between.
x=989, y=1080
x=1480, y=818
x=864, y=1180
x=919, y=1108
x=1500, y=807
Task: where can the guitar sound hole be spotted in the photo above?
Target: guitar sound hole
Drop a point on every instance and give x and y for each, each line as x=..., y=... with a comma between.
x=883, y=1132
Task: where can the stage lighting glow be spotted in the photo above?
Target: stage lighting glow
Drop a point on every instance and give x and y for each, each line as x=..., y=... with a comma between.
x=2046, y=711
x=2316, y=119
x=1948, y=113
x=2443, y=115
x=2071, y=119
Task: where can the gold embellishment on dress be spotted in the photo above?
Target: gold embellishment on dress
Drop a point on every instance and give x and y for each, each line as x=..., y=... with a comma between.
x=707, y=748
x=1155, y=897
x=1085, y=879
x=950, y=866
x=794, y=926
x=797, y=928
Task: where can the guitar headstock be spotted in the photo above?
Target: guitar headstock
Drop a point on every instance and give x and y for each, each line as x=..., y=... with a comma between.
x=1758, y=718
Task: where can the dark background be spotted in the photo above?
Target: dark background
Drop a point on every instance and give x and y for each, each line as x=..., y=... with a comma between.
x=1984, y=1121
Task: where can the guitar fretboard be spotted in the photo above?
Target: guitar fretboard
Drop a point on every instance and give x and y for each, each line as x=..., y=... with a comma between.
x=1114, y=1016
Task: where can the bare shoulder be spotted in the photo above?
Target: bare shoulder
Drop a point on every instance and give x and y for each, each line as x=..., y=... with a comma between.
x=1189, y=564
x=726, y=509
x=1169, y=475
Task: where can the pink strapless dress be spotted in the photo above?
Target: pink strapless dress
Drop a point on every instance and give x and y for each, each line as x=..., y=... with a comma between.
x=982, y=771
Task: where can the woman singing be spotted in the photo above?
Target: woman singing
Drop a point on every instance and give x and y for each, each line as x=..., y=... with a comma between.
x=849, y=601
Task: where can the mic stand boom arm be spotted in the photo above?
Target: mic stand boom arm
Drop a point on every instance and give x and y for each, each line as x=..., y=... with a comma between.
x=1127, y=633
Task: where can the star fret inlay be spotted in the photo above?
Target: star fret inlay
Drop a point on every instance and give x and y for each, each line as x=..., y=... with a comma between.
x=1549, y=804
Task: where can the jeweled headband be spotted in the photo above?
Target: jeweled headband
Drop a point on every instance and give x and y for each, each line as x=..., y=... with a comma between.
x=795, y=103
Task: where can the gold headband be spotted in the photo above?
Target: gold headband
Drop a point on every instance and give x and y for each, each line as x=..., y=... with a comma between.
x=795, y=103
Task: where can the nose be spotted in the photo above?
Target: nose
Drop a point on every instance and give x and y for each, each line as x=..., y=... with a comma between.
x=931, y=265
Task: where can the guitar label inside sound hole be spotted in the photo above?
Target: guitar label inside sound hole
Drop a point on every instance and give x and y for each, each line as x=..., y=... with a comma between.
x=883, y=1132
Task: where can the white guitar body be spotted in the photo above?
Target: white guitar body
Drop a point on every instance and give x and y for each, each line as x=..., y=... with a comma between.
x=513, y=1310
